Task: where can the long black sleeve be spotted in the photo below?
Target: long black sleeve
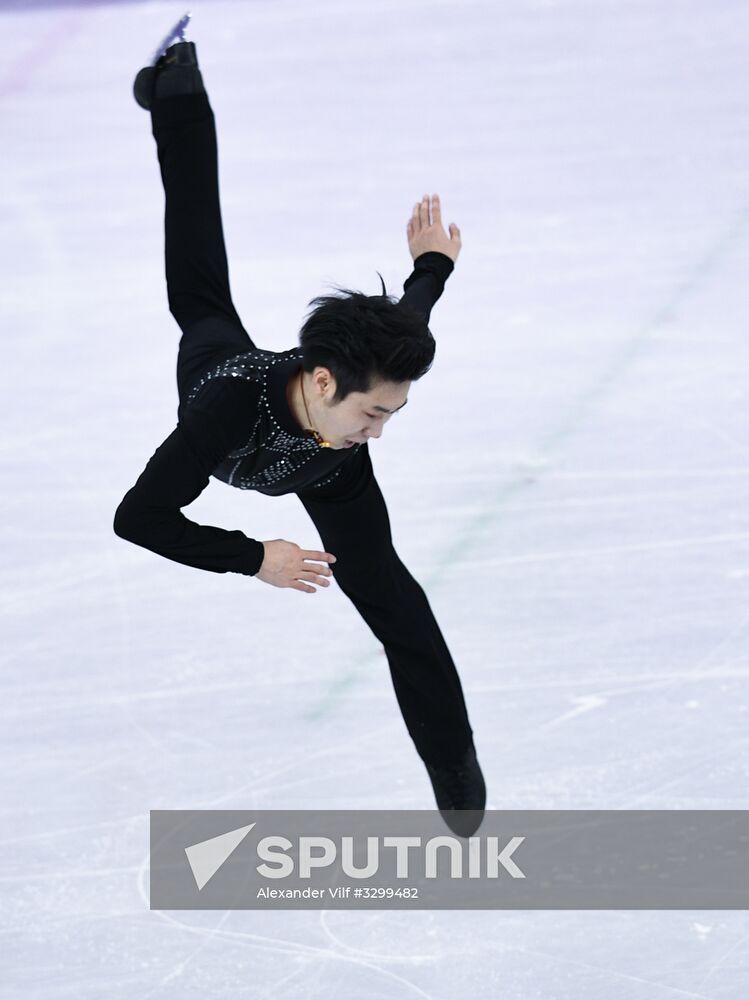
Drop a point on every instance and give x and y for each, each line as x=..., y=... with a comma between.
x=426, y=282
x=149, y=515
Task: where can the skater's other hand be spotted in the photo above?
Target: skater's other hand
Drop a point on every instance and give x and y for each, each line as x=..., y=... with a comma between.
x=287, y=565
x=424, y=235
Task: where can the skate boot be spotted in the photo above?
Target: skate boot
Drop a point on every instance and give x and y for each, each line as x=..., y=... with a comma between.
x=174, y=70
x=460, y=792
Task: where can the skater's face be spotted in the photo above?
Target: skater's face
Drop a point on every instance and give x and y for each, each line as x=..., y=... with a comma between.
x=361, y=415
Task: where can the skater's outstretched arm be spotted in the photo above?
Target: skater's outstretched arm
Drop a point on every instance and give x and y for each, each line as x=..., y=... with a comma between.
x=425, y=284
x=434, y=254
x=150, y=513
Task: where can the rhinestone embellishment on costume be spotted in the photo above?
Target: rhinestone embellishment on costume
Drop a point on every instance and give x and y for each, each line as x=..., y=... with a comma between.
x=271, y=455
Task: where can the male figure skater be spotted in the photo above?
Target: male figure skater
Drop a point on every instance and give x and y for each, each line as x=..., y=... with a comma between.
x=298, y=421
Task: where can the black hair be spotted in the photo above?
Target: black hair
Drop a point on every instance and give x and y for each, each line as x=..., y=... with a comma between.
x=365, y=338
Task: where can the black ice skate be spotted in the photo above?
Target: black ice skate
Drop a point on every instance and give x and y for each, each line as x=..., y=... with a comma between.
x=173, y=71
x=460, y=792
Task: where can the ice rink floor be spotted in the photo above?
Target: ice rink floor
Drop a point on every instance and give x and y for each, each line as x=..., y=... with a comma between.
x=570, y=482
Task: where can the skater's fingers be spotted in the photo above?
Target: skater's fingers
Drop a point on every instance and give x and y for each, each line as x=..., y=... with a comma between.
x=416, y=218
x=436, y=210
x=318, y=569
x=314, y=578
x=424, y=211
x=303, y=587
x=318, y=556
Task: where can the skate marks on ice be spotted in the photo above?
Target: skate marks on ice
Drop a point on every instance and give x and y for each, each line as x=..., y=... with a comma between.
x=20, y=71
x=314, y=959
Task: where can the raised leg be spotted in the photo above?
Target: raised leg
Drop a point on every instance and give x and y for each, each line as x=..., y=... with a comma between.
x=197, y=273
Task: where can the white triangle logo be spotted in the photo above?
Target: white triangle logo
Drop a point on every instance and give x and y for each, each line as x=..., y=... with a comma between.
x=207, y=857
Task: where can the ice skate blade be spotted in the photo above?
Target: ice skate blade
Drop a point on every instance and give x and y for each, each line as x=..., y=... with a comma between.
x=177, y=34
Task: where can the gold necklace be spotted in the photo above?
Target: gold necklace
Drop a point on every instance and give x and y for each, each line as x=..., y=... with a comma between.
x=310, y=430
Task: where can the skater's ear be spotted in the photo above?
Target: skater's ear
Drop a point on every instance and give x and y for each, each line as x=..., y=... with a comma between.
x=324, y=381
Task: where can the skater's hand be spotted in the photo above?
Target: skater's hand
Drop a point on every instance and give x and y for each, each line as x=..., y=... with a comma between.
x=287, y=565
x=424, y=235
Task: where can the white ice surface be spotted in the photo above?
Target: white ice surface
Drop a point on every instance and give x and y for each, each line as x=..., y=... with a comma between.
x=570, y=482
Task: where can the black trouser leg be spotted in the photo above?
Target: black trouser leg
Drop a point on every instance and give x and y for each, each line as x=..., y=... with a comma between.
x=355, y=527
x=197, y=273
